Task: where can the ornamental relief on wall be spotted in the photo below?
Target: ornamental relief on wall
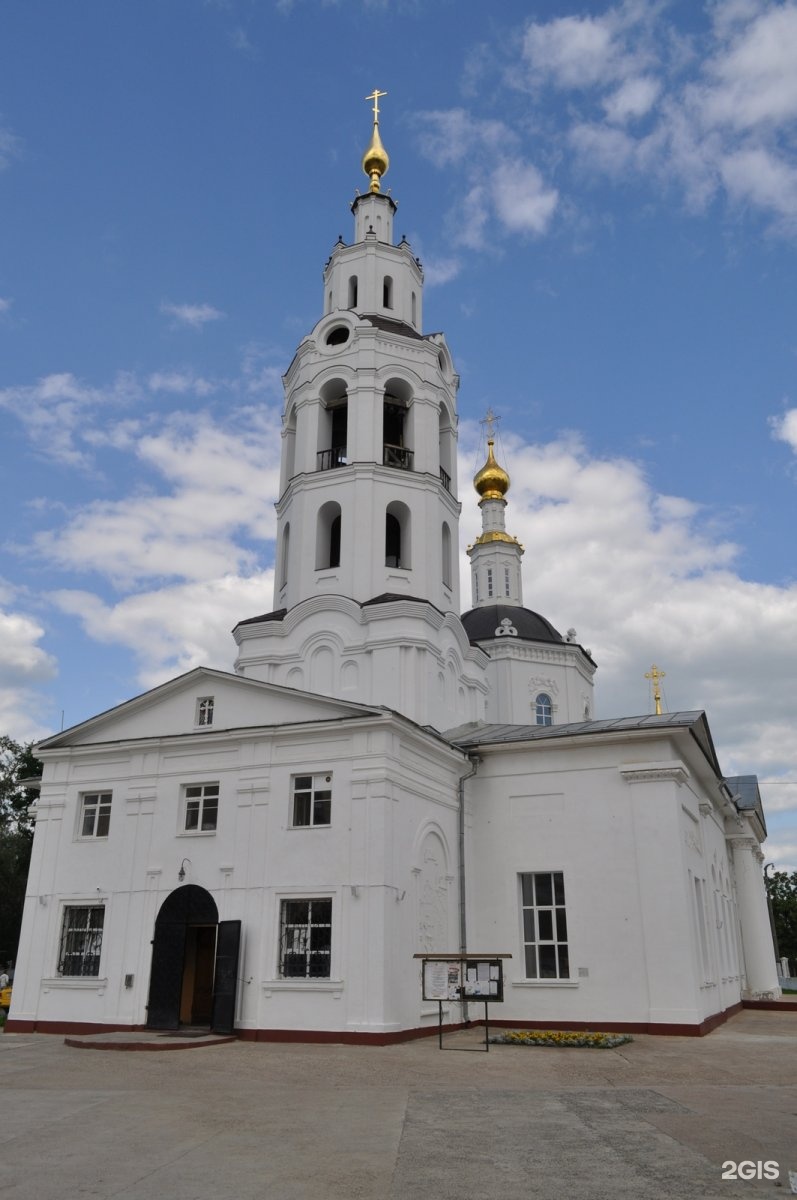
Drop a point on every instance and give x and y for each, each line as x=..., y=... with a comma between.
x=432, y=896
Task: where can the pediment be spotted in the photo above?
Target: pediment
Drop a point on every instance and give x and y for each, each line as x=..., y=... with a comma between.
x=176, y=709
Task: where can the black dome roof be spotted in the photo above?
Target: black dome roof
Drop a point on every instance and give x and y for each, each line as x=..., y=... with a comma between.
x=481, y=624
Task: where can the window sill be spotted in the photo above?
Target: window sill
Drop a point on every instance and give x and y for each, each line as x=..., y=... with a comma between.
x=541, y=983
x=86, y=983
x=194, y=833
x=328, y=825
x=302, y=985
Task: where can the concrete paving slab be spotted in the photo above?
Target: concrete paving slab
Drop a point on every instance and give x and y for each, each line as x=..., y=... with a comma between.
x=651, y=1120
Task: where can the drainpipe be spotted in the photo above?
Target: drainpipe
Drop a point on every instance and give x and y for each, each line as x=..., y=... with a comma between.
x=463, y=920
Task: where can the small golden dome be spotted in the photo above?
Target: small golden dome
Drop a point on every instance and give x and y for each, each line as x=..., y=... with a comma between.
x=492, y=482
x=375, y=159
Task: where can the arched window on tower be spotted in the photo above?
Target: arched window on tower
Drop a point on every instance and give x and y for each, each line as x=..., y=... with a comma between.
x=286, y=545
x=396, y=425
x=446, y=551
x=543, y=709
x=352, y=292
x=387, y=292
x=328, y=534
x=414, y=310
x=445, y=441
x=332, y=426
x=397, y=535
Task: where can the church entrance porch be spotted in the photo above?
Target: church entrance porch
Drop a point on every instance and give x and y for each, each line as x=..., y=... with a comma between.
x=194, y=964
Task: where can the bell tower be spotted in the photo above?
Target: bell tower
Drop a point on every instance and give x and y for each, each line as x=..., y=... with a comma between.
x=366, y=582
x=368, y=483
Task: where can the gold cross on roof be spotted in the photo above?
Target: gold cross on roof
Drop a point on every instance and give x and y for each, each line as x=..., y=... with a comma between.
x=489, y=421
x=375, y=96
x=655, y=675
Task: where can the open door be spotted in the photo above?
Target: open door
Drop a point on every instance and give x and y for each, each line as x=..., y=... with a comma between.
x=182, y=959
x=228, y=945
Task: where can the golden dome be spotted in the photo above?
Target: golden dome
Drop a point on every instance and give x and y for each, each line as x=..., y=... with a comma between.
x=492, y=482
x=375, y=159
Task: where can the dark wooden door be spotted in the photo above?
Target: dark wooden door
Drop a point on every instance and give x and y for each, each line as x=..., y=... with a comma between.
x=228, y=945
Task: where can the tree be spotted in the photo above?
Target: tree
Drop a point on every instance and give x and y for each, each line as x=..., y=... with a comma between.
x=17, y=763
x=782, y=892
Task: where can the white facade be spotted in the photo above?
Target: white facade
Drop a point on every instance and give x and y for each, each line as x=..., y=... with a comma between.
x=381, y=777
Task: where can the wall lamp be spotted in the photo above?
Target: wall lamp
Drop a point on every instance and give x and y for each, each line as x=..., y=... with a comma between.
x=181, y=872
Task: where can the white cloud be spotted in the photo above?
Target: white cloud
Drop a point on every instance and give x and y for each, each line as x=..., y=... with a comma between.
x=582, y=52
x=180, y=383
x=753, y=78
x=239, y=40
x=785, y=428
x=757, y=176
x=710, y=114
x=634, y=98
x=523, y=202
x=24, y=667
x=55, y=412
x=447, y=137
x=10, y=146
x=437, y=271
x=5, y=305
x=173, y=629
x=221, y=484
x=194, y=316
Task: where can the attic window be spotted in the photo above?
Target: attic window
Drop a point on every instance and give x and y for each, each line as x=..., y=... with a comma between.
x=204, y=711
x=338, y=335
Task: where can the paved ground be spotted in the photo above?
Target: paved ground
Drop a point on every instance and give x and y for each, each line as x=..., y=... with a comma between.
x=647, y=1121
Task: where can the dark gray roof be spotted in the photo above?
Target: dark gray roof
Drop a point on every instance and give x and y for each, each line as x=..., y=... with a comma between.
x=480, y=733
x=481, y=623
x=389, y=325
x=385, y=598
x=746, y=795
x=277, y=615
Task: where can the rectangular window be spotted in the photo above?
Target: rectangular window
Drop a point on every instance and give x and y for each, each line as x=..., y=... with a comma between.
x=312, y=800
x=507, y=586
x=305, y=939
x=95, y=814
x=489, y=581
x=81, y=940
x=544, y=925
x=201, y=807
x=204, y=710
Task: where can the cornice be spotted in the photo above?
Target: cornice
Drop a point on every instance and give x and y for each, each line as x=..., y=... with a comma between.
x=666, y=772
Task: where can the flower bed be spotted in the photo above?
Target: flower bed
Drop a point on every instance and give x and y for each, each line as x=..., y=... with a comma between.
x=560, y=1037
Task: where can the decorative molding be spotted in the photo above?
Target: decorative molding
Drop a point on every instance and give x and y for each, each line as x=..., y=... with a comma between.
x=673, y=772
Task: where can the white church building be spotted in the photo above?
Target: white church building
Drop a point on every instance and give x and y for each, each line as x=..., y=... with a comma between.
x=381, y=775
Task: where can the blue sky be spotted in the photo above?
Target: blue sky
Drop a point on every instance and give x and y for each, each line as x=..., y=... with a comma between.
x=604, y=198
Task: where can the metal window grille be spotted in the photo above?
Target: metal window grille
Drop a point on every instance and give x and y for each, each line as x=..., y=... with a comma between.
x=81, y=940
x=489, y=581
x=201, y=807
x=305, y=939
x=312, y=800
x=545, y=925
x=95, y=814
x=204, y=711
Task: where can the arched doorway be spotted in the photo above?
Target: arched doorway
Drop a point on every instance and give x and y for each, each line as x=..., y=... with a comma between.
x=194, y=963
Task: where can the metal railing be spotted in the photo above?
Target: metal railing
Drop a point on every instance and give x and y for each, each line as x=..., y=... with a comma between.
x=445, y=479
x=397, y=456
x=327, y=460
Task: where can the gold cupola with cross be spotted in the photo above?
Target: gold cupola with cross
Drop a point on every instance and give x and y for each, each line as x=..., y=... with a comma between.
x=495, y=555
